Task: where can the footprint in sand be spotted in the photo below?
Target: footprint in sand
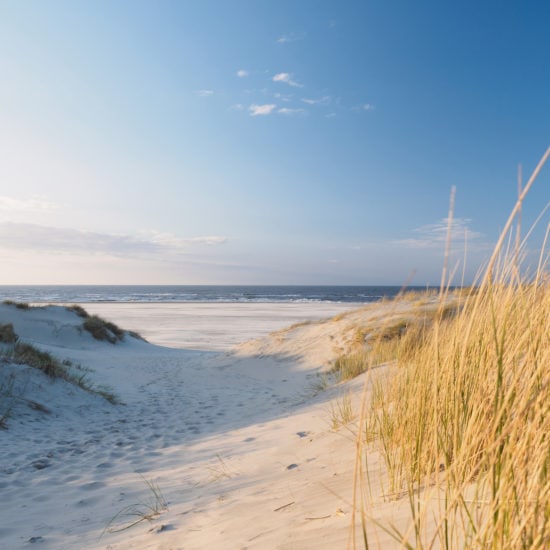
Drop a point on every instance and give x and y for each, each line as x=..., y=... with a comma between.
x=92, y=486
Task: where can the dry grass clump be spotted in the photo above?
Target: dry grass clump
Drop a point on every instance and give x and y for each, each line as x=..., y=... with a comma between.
x=463, y=425
x=350, y=365
x=146, y=510
x=101, y=329
x=104, y=330
x=342, y=412
x=469, y=411
x=384, y=342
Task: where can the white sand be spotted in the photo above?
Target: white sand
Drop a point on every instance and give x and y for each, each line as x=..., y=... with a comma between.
x=211, y=326
x=239, y=442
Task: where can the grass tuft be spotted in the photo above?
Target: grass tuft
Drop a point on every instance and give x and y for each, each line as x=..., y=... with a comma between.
x=136, y=335
x=79, y=310
x=7, y=334
x=146, y=510
x=342, y=413
x=374, y=345
x=103, y=330
x=26, y=354
x=18, y=305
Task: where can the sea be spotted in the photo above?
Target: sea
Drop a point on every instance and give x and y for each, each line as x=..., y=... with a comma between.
x=197, y=294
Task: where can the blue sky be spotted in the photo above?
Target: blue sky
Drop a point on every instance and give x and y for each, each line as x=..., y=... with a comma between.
x=242, y=142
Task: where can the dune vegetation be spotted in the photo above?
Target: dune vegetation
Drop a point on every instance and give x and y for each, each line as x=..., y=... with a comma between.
x=462, y=423
x=15, y=351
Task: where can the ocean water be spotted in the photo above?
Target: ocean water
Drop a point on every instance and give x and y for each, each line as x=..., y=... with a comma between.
x=197, y=294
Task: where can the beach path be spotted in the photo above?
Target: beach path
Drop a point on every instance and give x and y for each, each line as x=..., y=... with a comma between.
x=204, y=449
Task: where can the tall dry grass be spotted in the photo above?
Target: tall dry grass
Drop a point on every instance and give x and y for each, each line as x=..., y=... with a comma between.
x=463, y=424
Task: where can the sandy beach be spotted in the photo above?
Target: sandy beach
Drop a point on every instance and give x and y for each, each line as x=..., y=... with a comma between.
x=212, y=326
x=239, y=443
x=274, y=275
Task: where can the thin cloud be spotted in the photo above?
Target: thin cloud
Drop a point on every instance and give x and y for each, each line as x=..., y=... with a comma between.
x=364, y=107
x=172, y=241
x=262, y=110
x=205, y=93
x=237, y=107
x=435, y=235
x=287, y=79
x=291, y=37
x=250, y=91
x=330, y=115
x=40, y=238
x=35, y=203
x=242, y=73
x=283, y=97
x=325, y=100
x=288, y=111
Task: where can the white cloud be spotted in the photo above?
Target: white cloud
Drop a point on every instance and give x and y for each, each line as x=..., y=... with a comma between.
x=291, y=37
x=287, y=111
x=287, y=79
x=283, y=97
x=237, y=107
x=173, y=241
x=330, y=115
x=40, y=238
x=35, y=203
x=242, y=73
x=205, y=93
x=266, y=109
x=325, y=100
x=435, y=235
x=364, y=107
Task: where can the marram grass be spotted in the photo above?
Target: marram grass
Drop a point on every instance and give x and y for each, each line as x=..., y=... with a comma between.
x=463, y=423
x=468, y=412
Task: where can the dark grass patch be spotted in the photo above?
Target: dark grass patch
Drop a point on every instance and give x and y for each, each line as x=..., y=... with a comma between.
x=7, y=334
x=136, y=335
x=103, y=330
x=79, y=310
x=18, y=305
x=29, y=355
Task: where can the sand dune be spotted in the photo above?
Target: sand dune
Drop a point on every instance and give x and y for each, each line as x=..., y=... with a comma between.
x=239, y=443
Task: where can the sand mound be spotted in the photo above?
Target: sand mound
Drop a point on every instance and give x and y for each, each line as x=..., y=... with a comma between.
x=239, y=444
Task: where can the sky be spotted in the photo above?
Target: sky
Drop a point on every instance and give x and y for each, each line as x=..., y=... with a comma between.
x=266, y=142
